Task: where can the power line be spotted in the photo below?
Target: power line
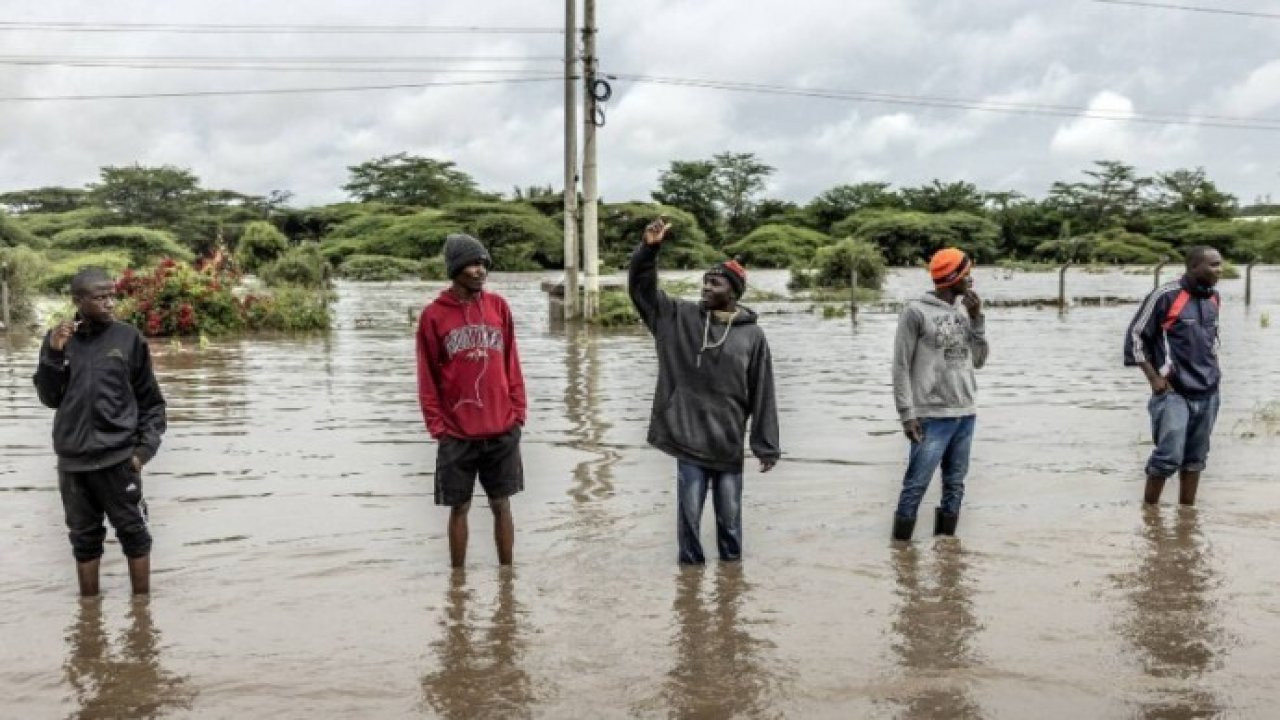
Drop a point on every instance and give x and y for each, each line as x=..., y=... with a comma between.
x=292, y=59
x=1223, y=121
x=268, y=29
x=260, y=67
x=1191, y=8
x=280, y=91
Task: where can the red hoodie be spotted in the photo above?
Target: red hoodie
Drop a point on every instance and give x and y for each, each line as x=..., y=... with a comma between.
x=469, y=380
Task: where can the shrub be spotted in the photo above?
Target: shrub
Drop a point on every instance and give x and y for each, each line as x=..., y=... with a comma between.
x=778, y=246
x=303, y=266
x=622, y=227
x=12, y=234
x=833, y=266
x=908, y=238
x=412, y=237
x=55, y=277
x=260, y=244
x=21, y=267
x=176, y=299
x=143, y=245
x=46, y=225
x=615, y=309
x=379, y=268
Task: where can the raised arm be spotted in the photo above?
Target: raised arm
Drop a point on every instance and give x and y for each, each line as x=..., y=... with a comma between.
x=642, y=276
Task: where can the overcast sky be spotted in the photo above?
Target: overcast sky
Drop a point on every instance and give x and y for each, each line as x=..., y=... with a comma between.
x=1119, y=59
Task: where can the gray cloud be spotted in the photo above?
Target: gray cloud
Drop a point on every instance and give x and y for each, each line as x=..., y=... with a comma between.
x=1074, y=53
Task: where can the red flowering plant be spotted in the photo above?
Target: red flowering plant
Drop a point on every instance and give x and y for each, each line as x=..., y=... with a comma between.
x=175, y=299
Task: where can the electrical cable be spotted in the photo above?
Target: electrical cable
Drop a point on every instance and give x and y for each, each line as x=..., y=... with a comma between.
x=267, y=29
x=279, y=91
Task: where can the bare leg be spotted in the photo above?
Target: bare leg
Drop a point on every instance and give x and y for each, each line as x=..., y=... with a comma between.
x=504, y=529
x=87, y=575
x=140, y=574
x=1155, y=486
x=1188, y=483
x=458, y=534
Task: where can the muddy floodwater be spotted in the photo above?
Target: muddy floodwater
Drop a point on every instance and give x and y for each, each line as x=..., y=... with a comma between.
x=301, y=566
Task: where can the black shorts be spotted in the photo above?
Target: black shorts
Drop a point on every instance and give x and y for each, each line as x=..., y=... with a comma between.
x=496, y=460
x=115, y=492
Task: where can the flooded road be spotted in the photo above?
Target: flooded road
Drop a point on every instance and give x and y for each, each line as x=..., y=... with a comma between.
x=301, y=569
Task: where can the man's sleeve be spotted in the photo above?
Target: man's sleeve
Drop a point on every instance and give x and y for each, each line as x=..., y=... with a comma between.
x=642, y=285
x=515, y=376
x=428, y=378
x=904, y=352
x=978, y=347
x=1144, y=329
x=51, y=375
x=152, y=418
x=764, y=405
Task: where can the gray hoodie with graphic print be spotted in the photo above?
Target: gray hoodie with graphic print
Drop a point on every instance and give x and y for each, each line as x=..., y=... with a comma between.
x=934, y=355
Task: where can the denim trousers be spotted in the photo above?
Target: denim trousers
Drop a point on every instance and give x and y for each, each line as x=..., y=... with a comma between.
x=692, y=483
x=1180, y=429
x=946, y=442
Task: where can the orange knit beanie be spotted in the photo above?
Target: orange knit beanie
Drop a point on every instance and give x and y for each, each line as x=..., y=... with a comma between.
x=949, y=266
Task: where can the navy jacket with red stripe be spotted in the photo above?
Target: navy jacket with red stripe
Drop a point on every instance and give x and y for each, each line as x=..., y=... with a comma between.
x=1176, y=330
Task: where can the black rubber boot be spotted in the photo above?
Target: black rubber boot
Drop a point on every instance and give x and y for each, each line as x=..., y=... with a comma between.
x=903, y=527
x=944, y=523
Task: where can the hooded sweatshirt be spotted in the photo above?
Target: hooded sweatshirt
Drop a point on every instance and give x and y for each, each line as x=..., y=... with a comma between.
x=934, y=355
x=712, y=376
x=469, y=381
x=109, y=404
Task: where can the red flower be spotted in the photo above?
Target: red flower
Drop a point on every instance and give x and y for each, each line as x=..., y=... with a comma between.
x=154, y=323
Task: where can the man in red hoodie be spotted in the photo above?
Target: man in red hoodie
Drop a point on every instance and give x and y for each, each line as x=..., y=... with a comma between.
x=472, y=395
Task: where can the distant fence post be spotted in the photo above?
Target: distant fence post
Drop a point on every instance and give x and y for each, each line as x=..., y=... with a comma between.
x=1062, y=287
x=1248, y=282
x=1159, y=266
x=853, y=295
x=4, y=296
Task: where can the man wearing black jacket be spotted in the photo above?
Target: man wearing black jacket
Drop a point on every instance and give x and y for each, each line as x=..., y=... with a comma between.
x=97, y=374
x=1174, y=340
x=714, y=373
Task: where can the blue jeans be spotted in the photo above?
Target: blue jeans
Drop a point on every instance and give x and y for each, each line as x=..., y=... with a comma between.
x=1180, y=429
x=692, y=482
x=946, y=442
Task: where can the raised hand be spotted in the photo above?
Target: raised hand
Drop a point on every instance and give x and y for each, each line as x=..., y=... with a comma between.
x=656, y=231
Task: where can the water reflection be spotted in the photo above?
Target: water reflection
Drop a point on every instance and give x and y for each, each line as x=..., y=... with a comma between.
x=935, y=631
x=592, y=479
x=1173, y=620
x=127, y=681
x=480, y=673
x=718, y=671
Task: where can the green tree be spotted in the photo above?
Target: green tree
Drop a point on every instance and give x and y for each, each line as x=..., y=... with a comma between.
x=405, y=179
x=778, y=246
x=260, y=244
x=841, y=201
x=1191, y=192
x=158, y=197
x=693, y=186
x=939, y=197
x=45, y=200
x=1114, y=198
x=740, y=177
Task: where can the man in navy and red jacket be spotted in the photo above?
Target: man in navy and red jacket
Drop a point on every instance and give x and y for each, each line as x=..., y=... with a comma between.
x=1174, y=339
x=472, y=395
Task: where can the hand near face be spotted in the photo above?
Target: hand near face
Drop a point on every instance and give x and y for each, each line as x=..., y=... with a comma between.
x=60, y=335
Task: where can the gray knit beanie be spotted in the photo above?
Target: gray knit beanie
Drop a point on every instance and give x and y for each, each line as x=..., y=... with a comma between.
x=461, y=251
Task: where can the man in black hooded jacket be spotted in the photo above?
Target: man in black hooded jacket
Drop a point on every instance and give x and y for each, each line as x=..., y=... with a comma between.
x=714, y=373
x=97, y=373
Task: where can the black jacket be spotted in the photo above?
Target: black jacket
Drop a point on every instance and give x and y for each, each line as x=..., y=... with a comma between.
x=701, y=407
x=1187, y=352
x=108, y=401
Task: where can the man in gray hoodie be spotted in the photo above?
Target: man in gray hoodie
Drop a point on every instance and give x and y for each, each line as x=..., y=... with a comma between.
x=937, y=348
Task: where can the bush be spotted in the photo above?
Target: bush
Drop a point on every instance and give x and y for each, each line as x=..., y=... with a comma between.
x=1115, y=246
x=412, y=237
x=303, y=266
x=13, y=234
x=622, y=227
x=176, y=299
x=46, y=225
x=778, y=246
x=833, y=267
x=616, y=309
x=144, y=246
x=380, y=268
x=21, y=267
x=260, y=244
x=55, y=277
x=909, y=238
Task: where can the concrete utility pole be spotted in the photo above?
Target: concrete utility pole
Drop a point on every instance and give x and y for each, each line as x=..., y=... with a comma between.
x=571, y=252
x=590, y=222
